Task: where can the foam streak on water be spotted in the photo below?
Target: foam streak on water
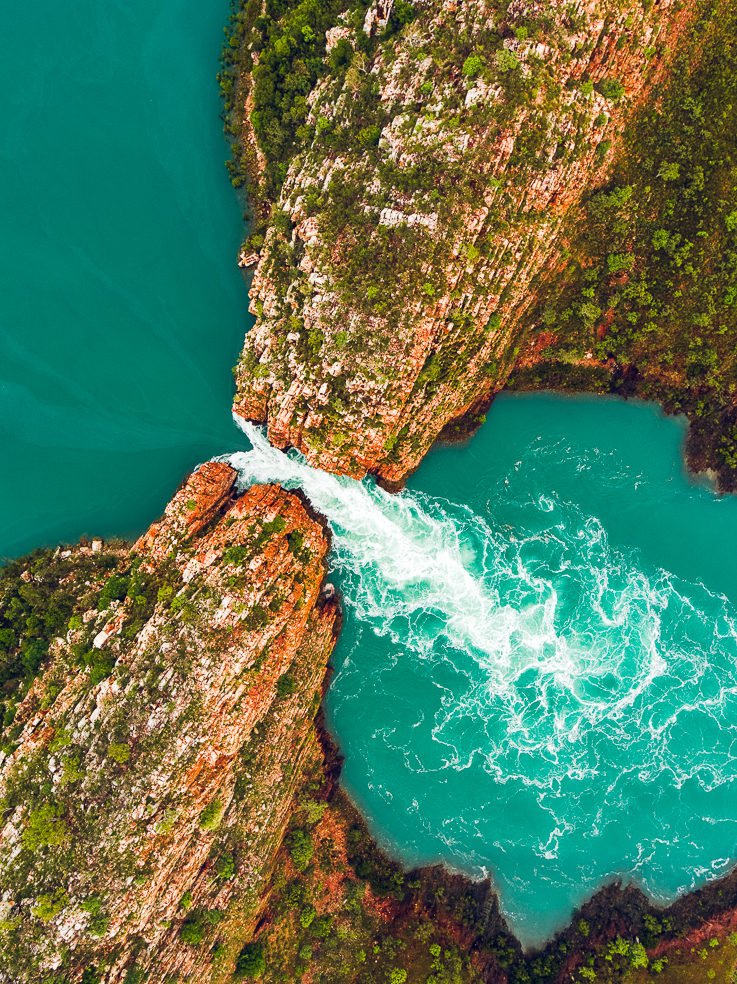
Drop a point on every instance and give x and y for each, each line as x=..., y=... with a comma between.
x=541, y=706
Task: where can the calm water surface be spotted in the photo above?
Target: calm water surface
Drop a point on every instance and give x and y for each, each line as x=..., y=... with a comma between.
x=122, y=309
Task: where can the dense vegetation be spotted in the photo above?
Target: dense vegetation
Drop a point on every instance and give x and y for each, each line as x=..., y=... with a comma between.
x=290, y=45
x=651, y=284
x=342, y=912
x=45, y=595
x=42, y=596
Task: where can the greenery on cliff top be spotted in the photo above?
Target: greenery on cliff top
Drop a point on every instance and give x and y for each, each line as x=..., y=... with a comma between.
x=652, y=280
x=400, y=225
x=41, y=596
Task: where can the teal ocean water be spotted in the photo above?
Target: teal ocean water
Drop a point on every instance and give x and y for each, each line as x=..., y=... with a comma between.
x=122, y=309
x=537, y=677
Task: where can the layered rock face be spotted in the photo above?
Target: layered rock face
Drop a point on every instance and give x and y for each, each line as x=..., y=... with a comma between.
x=426, y=205
x=143, y=811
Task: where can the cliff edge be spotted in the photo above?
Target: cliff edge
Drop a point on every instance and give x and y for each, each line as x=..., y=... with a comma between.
x=154, y=763
x=443, y=151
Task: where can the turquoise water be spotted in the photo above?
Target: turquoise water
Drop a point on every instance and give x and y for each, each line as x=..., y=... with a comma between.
x=537, y=677
x=122, y=308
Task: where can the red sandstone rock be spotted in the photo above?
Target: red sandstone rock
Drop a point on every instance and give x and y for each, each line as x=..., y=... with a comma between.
x=360, y=406
x=211, y=754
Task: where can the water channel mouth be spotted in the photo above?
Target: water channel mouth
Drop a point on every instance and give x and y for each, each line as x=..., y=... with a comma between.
x=537, y=677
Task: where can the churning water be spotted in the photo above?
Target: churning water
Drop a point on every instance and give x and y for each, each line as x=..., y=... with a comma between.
x=523, y=688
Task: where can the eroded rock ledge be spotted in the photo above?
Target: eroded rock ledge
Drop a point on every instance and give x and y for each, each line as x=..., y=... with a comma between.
x=170, y=803
x=393, y=278
x=148, y=794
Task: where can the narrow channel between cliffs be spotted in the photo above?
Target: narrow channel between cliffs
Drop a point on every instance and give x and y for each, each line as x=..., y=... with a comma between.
x=527, y=699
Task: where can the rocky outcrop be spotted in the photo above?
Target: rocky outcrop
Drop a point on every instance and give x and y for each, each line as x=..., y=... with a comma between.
x=389, y=291
x=143, y=810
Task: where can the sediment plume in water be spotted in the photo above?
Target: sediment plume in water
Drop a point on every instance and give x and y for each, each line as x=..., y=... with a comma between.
x=530, y=701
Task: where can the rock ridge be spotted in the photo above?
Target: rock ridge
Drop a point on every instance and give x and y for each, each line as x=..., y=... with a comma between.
x=143, y=810
x=391, y=287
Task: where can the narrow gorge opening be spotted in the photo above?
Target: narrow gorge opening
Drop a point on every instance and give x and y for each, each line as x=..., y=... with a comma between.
x=537, y=676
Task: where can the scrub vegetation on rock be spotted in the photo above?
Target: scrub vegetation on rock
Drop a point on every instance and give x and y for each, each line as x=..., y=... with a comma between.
x=447, y=198
x=428, y=195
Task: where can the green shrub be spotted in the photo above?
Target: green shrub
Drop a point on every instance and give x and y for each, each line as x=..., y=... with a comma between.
x=616, y=262
x=119, y=753
x=102, y=667
x=33, y=654
x=61, y=739
x=192, y=932
x=369, y=136
x=506, y=60
x=235, y=555
x=211, y=817
x=225, y=866
x=637, y=955
x=164, y=593
x=45, y=828
x=301, y=849
x=321, y=926
x=250, y=962
x=669, y=171
x=114, y=589
x=49, y=905
x=313, y=808
x=611, y=89
x=341, y=55
x=257, y=618
x=98, y=926
x=472, y=67
x=135, y=975
x=285, y=685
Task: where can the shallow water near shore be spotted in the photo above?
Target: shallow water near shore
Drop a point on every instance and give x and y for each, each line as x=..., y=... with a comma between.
x=537, y=676
x=122, y=308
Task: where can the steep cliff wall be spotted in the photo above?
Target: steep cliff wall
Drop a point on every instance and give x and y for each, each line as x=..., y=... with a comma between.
x=145, y=795
x=427, y=188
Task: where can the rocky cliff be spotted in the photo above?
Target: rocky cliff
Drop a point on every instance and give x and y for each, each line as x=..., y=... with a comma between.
x=430, y=189
x=155, y=761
